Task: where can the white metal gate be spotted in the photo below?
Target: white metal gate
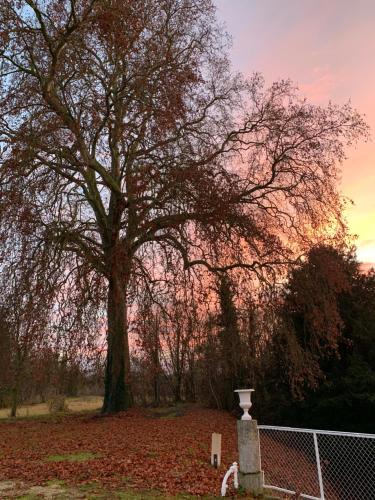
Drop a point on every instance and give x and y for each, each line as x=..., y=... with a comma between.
x=316, y=464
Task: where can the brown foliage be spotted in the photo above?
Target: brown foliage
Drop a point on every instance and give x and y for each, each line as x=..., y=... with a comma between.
x=311, y=319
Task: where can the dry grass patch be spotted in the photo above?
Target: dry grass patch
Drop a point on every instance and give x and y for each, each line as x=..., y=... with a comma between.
x=79, y=404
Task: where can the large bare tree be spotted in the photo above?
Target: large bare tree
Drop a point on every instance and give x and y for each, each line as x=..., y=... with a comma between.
x=126, y=114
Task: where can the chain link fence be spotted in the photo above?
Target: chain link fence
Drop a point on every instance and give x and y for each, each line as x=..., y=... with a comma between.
x=323, y=465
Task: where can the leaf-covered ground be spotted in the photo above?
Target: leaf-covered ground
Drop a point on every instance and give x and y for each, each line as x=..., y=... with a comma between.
x=138, y=450
x=154, y=453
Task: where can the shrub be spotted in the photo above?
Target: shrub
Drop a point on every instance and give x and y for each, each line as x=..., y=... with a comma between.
x=57, y=404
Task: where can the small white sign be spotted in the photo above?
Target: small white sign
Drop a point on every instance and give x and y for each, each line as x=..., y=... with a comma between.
x=216, y=450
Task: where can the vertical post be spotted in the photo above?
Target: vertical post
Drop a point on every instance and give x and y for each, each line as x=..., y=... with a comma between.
x=317, y=456
x=251, y=477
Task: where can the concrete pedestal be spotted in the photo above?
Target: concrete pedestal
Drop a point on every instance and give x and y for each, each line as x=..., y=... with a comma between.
x=251, y=477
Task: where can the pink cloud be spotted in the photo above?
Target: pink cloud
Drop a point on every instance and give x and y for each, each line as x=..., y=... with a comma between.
x=321, y=88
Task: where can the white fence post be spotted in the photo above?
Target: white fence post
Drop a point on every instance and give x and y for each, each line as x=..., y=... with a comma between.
x=251, y=477
x=317, y=456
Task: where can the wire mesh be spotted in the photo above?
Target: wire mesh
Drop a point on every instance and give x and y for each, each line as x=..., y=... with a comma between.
x=288, y=460
x=348, y=466
x=347, y=462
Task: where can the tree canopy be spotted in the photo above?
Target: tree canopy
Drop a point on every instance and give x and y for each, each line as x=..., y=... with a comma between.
x=133, y=140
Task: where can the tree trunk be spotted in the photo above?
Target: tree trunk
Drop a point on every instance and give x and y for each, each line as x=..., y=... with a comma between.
x=156, y=390
x=191, y=382
x=177, y=388
x=15, y=391
x=156, y=372
x=117, y=395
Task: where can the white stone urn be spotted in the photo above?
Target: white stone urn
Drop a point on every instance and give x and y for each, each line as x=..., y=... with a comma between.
x=245, y=402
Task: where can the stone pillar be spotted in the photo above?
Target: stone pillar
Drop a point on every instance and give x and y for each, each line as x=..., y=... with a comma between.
x=251, y=477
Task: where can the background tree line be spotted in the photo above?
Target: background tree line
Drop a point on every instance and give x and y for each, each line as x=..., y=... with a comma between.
x=306, y=345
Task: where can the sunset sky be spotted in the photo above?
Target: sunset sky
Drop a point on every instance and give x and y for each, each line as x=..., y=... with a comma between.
x=327, y=47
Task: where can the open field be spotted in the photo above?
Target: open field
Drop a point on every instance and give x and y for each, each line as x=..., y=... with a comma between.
x=80, y=404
